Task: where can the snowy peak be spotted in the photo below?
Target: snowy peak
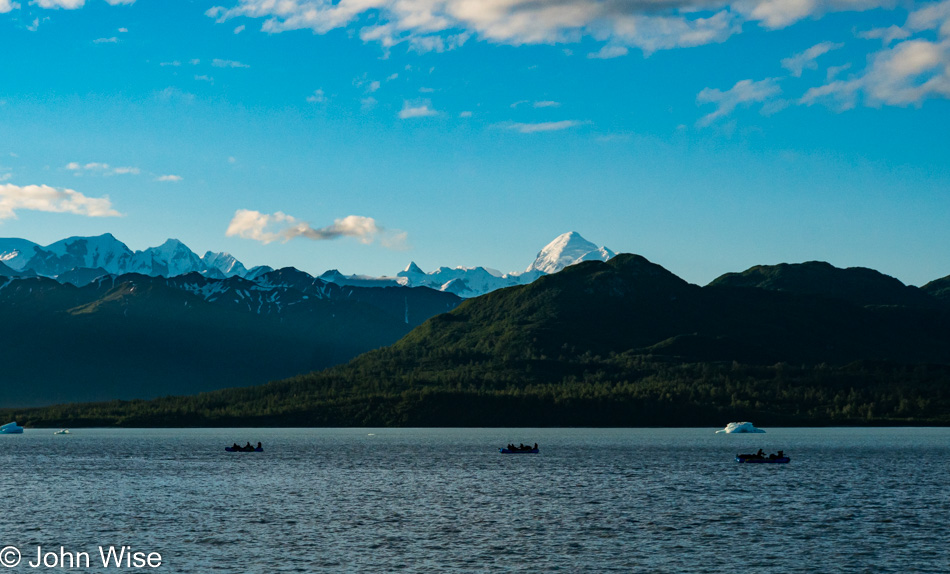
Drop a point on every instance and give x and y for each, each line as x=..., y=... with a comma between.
x=103, y=251
x=79, y=260
x=226, y=263
x=16, y=252
x=168, y=260
x=567, y=249
x=83, y=255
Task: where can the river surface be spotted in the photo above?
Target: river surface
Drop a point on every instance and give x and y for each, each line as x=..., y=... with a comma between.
x=445, y=500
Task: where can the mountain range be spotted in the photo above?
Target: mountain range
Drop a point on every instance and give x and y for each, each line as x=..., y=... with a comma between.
x=80, y=260
x=621, y=343
x=137, y=336
x=86, y=318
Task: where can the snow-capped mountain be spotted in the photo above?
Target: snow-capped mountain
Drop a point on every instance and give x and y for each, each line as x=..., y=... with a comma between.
x=462, y=281
x=80, y=260
x=84, y=258
x=103, y=251
x=567, y=249
x=226, y=263
x=167, y=260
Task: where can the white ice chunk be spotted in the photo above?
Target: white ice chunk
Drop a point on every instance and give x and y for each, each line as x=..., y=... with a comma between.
x=739, y=428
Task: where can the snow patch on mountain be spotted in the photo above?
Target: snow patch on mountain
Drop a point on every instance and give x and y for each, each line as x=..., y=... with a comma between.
x=15, y=252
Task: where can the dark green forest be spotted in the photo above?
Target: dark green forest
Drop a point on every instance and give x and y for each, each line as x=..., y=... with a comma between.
x=620, y=390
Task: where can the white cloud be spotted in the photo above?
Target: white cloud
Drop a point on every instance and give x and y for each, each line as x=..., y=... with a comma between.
x=540, y=104
x=439, y=25
x=608, y=52
x=774, y=14
x=239, y=29
x=123, y=30
x=112, y=40
x=807, y=60
x=45, y=198
x=543, y=126
x=905, y=74
x=373, y=86
x=934, y=16
x=465, y=115
x=227, y=64
x=318, y=97
x=171, y=178
x=7, y=6
x=744, y=92
x=842, y=93
x=55, y=4
x=834, y=71
x=279, y=226
x=171, y=94
x=175, y=63
x=100, y=169
x=420, y=110
x=204, y=78
x=125, y=170
x=885, y=35
x=120, y=2
x=433, y=43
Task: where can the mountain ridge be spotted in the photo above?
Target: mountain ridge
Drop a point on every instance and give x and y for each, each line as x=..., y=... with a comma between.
x=617, y=343
x=79, y=258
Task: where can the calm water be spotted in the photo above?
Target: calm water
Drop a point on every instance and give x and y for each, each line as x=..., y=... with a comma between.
x=444, y=500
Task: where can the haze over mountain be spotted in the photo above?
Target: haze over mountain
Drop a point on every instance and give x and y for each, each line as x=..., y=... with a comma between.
x=137, y=336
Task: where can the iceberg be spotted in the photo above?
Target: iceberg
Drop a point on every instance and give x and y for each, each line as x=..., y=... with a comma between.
x=739, y=428
x=11, y=428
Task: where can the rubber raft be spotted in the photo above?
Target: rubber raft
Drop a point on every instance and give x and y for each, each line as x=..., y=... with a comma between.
x=242, y=449
x=506, y=451
x=779, y=460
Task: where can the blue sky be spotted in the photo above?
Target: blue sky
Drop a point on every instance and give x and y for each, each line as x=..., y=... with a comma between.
x=708, y=136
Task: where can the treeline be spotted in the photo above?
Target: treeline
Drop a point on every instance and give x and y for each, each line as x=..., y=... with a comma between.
x=619, y=390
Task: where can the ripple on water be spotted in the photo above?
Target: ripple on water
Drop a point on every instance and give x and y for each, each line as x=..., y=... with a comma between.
x=424, y=500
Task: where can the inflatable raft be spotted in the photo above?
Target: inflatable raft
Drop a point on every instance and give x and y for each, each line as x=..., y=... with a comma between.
x=506, y=451
x=242, y=449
